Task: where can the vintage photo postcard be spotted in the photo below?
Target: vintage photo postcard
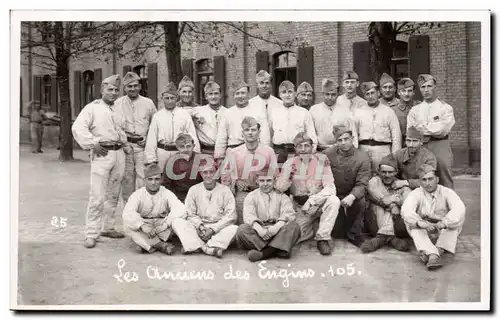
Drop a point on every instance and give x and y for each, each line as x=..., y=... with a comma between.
x=250, y=160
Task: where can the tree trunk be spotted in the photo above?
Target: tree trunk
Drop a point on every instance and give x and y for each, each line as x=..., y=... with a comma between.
x=173, y=51
x=382, y=38
x=62, y=73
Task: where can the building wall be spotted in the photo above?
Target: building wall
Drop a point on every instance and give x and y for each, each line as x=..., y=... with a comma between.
x=454, y=50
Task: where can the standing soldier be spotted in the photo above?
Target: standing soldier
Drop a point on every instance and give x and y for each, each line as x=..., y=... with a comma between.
x=377, y=126
x=37, y=116
x=388, y=91
x=434, y=119
x=350, y=98
x=412, y=157
x=351, y=173
x=186, y=95
x=329, y=114
x=209, y=118
x=309, y=179
x=264, y=98
x=287, y=120
x=242, y=162
x=305, y=94
x=96, y=129
x=229, y=134
x=165, y=126
x=406, y=89
x=136, y=112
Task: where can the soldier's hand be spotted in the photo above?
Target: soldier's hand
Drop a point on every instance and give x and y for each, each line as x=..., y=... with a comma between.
x=395, y=209
x=440, y=225
x=201, y=231
x=209, y=232
x=146, y=229
x=347, y=201
x=267, y=236
x=423, y=224
x=261, y=232
x=127, y=148
x=142, y=143
x=100, y=151
x=387, y=200
x=432, y=228
x=398, y=184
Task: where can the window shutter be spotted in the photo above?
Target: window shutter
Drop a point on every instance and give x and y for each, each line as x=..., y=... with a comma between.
x=305, y=65
x=187, y=68
x=126, y=69
x=97, y=83
x=361, y=60
x=220, y=76
x=419, y=59
x=153, y=82
x=37, y=89
x=77, y=79
x=53, y=94
x=262, y=61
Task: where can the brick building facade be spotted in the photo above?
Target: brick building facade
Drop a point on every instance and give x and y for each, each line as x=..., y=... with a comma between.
x=452, y=53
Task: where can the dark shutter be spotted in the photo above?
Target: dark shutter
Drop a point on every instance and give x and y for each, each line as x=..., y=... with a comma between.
x=220, y=76
x=126, y=69
x=187, y=68
x=53, y=94
x=97, y=83
x=361, y=60
x=37, y=89
x=418, y=51
x=262, y=61
x=153, y=82
x=305, y=65
x=77, y=79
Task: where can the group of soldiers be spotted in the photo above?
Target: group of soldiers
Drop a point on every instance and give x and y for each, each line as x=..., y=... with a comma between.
x=269, y=173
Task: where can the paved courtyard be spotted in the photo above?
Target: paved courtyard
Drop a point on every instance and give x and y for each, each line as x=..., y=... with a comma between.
x=55, y=268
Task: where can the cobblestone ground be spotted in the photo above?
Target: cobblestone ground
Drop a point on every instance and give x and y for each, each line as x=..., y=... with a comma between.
x=55, y=268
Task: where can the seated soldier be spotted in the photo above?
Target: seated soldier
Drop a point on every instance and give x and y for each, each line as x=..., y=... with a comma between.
x=241, y=163
x=211, y=215
x=149, y=213
x=309, y=179
x=409, y=159
x=386, y=198
x=269, y=228
x=181, y=169
x=433, y=209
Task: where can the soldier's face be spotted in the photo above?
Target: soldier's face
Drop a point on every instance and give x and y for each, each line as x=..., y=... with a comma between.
x=208, y=175
x=407, y=94
x=331, y=97
x=388, y=174
x=304, y=148
x=266, y=183
x=264, y=87
x=153, y=183
x=213, y=97
x=350, y=85
x=413, y=145
x=186, y=94
x=305, y=99
x=251, y=134
x=344, y=142
x=428, y=90
x=372, y=96
x=110, y=93
x=132, y=89
x=241, y=96
x=388, y=91
x=185, y=148
x=288, y=96
x=429, y=182
x=169, y=100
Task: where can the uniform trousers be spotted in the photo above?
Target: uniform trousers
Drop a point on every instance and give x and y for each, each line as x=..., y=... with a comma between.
x=284, y=240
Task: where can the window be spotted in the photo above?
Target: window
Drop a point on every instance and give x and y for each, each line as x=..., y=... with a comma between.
x=88, y=86
x=399, y=62
x=204, y=73
x=142, y=72
x=46, y=90
x=285, y=68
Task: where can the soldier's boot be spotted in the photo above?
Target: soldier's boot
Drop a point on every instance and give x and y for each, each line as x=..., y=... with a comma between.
x=434, y=262
x=89, y=243
x=324, y=247
x=373, y=244
x=399, y=244
x=112, y=234
x=165, y=247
